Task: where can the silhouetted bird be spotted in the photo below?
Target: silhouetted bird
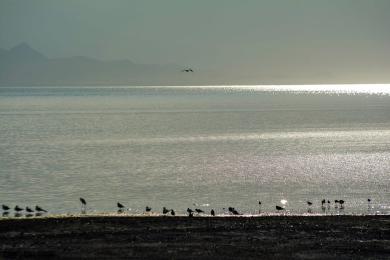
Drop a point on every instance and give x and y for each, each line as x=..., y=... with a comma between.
x=341, y=203
x=279, y=208
x=39, y=209
x=336, y=201
x=190, y=211
x=5, y=207
x=120, y=206
x=199, y=211
x=148, y=209
x=368, y=200
x=187, y=70
x=83, y=202
x=29, y=210
x=323, y=202
x=18, y=209
x=212, y=212
x=259, y=203
x=309, y=203
x=328, y=201
x=165, y=210
x=173, y=212
x=231, y=209
x=235, y=212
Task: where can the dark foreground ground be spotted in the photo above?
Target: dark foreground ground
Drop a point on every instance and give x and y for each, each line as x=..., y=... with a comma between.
x=286, y=237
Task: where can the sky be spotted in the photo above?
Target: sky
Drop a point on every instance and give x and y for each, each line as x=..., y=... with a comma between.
x=247, y=35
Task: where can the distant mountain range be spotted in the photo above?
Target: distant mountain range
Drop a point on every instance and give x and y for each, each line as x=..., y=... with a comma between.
x=24, y=66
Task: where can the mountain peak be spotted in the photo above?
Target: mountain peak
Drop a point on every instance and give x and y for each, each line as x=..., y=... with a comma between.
x=24, y=51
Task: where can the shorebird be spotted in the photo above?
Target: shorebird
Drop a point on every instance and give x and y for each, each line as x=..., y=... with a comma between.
x=173, y=212
x=148, y=209
x=5, y=207
x=212, y=212
x=279, y=208
x=120, y=206
x=29, y=210
x=18, y=209
x=190, y=211
x=323, y=202
x=259, y=203
x=199, y=211
x=235, y=212
x=83, y=202
x=165, y=210
x=341, y=203
x=309, y=203
x=39, y=209
x=187, y=70
x=368, y=200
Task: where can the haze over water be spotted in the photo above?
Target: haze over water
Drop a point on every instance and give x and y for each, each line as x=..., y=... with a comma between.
x=175, y=146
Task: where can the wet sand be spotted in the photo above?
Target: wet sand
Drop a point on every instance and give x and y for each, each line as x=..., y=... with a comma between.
x=157, y=237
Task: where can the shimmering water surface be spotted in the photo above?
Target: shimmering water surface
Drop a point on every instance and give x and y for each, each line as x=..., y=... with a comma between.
x=213, y=146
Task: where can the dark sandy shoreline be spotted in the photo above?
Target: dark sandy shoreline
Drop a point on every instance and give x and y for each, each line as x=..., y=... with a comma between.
x=157, y=237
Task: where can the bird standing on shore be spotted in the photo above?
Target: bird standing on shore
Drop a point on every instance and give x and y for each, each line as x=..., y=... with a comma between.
x=18, y=209
x=199, y=211
x=120, y=207
x=5, y=207
x=39, y=209
x=29, y=210
x=278, y=208
x=83, y=205
x=212, y=212
x=148, y=209
x=309, y=203
x=165, y=210
x=173, y=212
x=190, y=212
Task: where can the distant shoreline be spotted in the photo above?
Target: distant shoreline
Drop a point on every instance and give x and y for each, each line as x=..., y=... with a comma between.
x=286, y=237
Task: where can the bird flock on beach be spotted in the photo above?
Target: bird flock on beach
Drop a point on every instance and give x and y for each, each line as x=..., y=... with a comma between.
x=39, y=211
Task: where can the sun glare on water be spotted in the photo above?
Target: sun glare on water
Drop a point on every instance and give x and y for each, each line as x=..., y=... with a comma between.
x=382, y=89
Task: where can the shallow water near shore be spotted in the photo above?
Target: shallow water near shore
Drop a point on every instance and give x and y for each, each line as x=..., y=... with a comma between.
x=214, y=147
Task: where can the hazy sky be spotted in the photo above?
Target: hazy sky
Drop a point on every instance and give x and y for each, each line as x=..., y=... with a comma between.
x=205, y=33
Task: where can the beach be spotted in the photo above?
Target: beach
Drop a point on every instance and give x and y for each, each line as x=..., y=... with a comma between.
x=181, y=237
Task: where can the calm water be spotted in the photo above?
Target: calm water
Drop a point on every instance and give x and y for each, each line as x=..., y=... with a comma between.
x=175, y=146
